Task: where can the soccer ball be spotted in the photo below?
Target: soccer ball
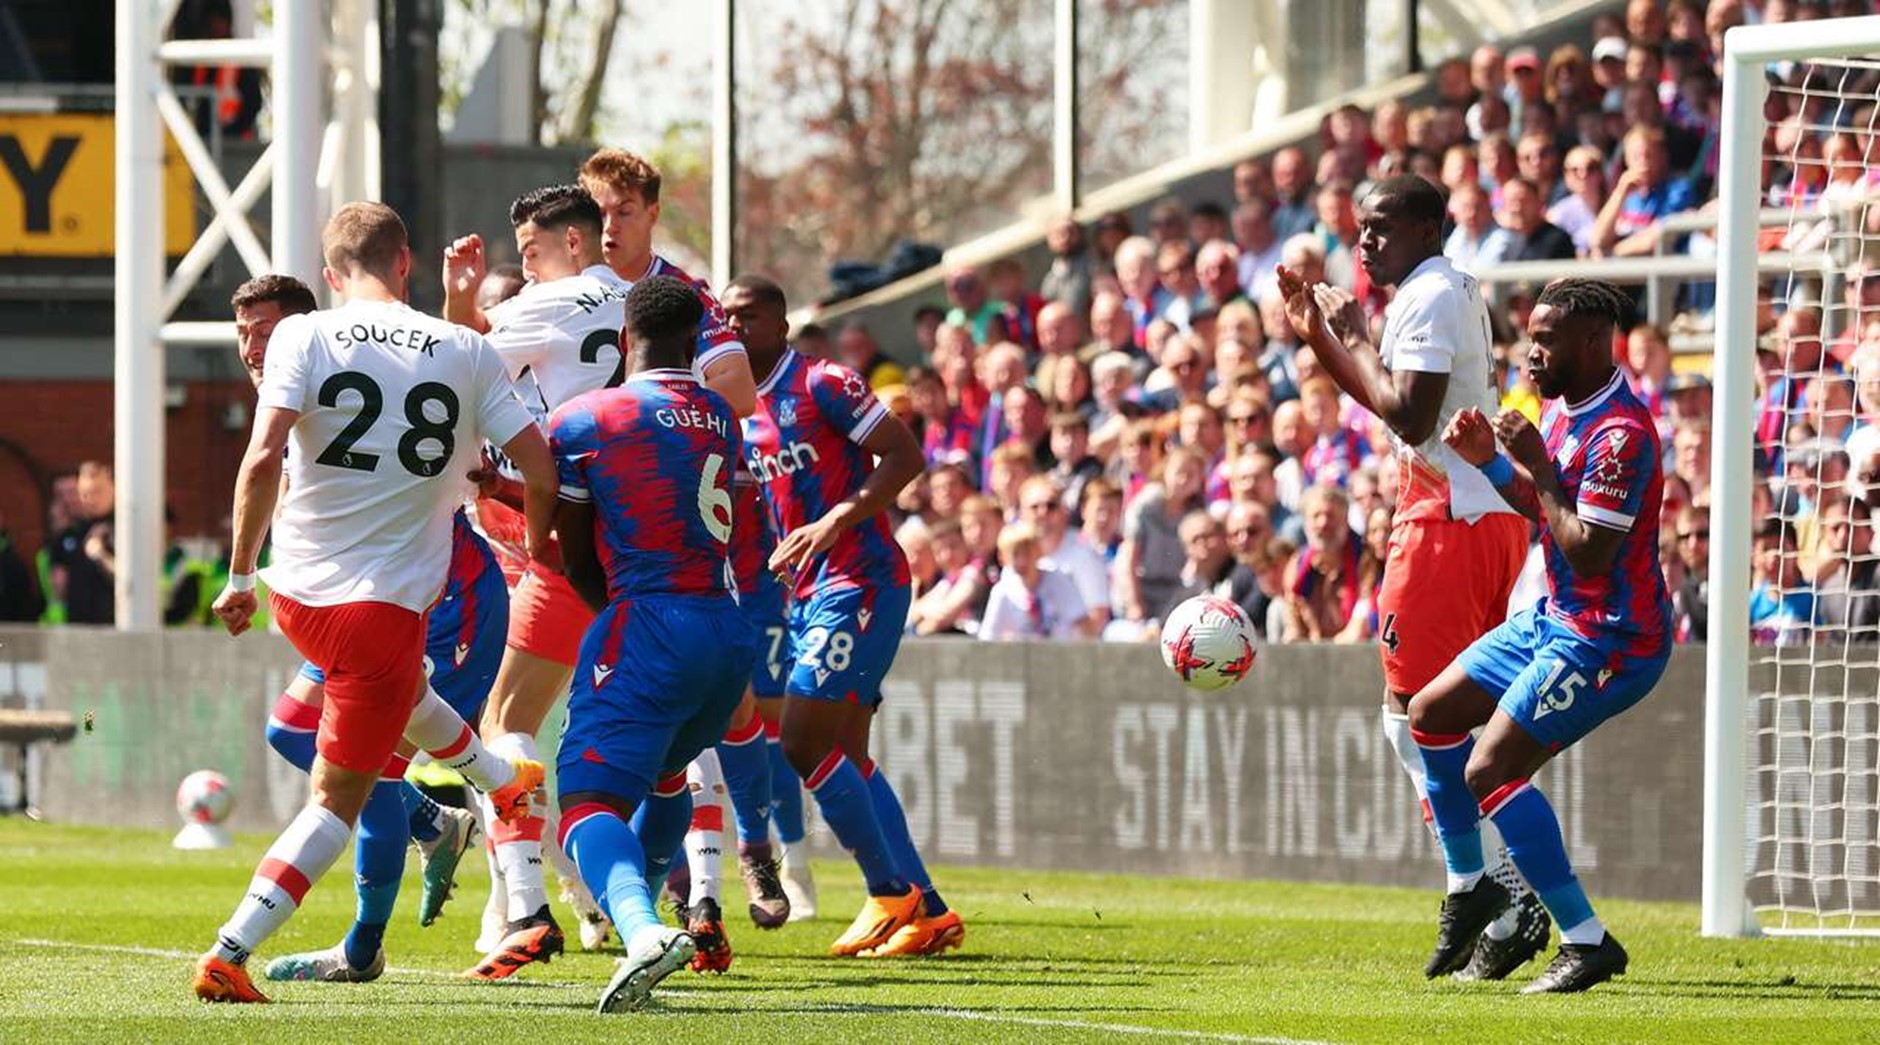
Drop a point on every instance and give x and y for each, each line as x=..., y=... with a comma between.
x=1208, y=643
x=204, y=797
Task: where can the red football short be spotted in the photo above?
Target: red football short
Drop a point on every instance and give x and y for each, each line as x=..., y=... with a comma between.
x=546, y=617
x=373, y=656
x=1446, y=584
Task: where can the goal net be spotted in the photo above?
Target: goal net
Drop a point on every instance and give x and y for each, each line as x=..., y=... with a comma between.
x=1792, y=789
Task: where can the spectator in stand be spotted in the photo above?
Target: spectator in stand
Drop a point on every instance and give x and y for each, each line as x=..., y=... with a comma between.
x=952, y=605
x=1211, y=568
x=1207, y=221
x=1691, y=601
x=1144, y=294
x=1005, y=280
x=857, y=350
x=1781, y=602
x=1687, y=399
x=83, y=554
x=1073, y=465
x=1217, y=267
x=1527, y=86
x=1577, y=213
x=20, y=601
x=1645, y=21
x=1028, y=423
x=1292, y=437
x=1068, y=386
x=1864, y=440
x=1335, y=451
x=1175, y=269
x=1253, y=180
x=1847, y=574
x=973, y=308
x=1690, y=457
x=1168, y=222
x=1069, y=278
x=916, y=542
x=812, y=340
x=1460, y=167
x=1326, y=597
x=1042, y=503
x=1060, y=334
x=1112, y=378
x=1455, y=86
x=1531, y=237
x=1293, y=212
x=1102, y=527
x=1182, y=377
x=948, y=487
x=1495, y=158
x=1031, y=601
x=1150, y=562
x=1108, y=233
x=1259, y=246
x=1537, y=157
x=1570, y=86
x=1247, y=421
x=1001, y=369
x=1476, y=241
x=1338, y=227
x=1609, y=56
x=1645, y=193
x=1828, y=407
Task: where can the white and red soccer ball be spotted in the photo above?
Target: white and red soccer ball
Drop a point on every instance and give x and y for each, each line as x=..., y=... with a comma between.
x=204, y=797
x=1208, y=643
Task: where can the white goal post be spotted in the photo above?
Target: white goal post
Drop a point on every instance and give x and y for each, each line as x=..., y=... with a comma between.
x=1792, y=730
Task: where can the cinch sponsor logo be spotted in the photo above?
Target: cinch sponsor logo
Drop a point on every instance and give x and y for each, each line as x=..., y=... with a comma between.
x=787, y=461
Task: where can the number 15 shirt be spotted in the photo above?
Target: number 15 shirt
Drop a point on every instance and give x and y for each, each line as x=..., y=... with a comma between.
x=393, y=406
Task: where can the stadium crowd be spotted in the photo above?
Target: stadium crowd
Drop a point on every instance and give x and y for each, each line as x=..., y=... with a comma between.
x=1138, y=423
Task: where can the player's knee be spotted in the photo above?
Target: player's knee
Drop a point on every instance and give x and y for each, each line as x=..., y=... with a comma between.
x=805, y=750
x=341, y=791
x=1485, y=773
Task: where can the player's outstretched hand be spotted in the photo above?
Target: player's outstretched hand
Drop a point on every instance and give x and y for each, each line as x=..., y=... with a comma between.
x=1521, y=438
x=1302, y=309
x=235, y=609
x=464, y=265
x=1471, y=436
x=802, y=545
x=1344, y=317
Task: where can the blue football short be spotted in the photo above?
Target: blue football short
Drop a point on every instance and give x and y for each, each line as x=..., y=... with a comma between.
x=767, y=610
x=1554, y=682
x=844, y=642
x=656, y=683
x=463, y=643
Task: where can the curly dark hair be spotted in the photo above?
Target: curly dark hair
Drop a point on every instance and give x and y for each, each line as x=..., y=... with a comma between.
x=663, y=314
x=1575, y=296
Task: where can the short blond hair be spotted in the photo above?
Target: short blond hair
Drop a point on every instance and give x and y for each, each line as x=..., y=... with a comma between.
x=620, y=169
x=364, y=235
x=1016, y=534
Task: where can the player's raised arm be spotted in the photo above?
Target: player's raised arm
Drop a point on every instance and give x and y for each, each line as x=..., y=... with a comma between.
x=464, y=269
x=1587, y=536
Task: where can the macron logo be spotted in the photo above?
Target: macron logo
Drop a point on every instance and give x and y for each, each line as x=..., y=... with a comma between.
x=791, y=459
x=601, y=671
x=864, y=617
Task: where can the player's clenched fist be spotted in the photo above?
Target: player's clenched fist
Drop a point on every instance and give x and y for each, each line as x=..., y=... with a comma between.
x=1471, y=436
x=1521, y=438
x=235, y=609
x=464, y=265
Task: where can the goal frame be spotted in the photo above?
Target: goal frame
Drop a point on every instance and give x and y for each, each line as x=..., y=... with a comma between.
x=1746, y=50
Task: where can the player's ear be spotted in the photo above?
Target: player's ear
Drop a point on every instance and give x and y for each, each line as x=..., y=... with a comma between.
x=332, y=279
x=652, y=211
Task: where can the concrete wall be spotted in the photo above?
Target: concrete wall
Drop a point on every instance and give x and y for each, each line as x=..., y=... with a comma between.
x=1045, y=756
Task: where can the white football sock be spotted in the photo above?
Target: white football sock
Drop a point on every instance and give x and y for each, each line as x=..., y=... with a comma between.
x=520, y=857
x=496, y=906
x=437, y=729
x=1587, y=933
x=1502, y=870
x=296, y=860
x=705, y=839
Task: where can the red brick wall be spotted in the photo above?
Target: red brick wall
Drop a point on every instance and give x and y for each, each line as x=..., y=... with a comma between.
x=49, y=427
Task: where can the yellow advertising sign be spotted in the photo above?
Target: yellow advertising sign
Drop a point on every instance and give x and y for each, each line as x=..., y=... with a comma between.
x=56, y=177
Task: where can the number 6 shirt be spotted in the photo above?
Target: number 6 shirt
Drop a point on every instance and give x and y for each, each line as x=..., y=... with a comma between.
x=393, y=406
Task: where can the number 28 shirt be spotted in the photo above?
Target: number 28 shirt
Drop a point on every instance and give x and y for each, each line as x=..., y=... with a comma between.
x=803, y=445
x=393, y=406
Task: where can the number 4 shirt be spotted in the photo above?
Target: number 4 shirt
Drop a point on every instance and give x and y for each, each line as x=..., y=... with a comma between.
x=393, y=406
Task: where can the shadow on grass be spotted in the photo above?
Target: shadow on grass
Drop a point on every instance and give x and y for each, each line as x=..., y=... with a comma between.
x=1785, y=988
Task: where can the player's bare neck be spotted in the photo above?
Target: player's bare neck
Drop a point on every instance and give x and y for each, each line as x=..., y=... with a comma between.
x=635, y=267
x=370, y=288
x=1593, y=384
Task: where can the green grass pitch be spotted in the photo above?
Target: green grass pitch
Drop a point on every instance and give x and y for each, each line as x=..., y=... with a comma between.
x=98, y=929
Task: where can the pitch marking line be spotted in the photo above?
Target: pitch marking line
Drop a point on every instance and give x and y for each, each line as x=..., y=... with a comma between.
x=969, y=1015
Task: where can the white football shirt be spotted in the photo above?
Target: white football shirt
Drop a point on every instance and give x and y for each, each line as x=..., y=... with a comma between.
x=393, y=406
x=1438, y=324
x=565, y=332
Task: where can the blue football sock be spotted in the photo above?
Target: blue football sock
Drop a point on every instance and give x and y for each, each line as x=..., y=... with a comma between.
x=660, y=824
x=421, y=813
x=786, y=796
x=612, y=863
x=1532, y=833
x=294, y=746
x=746, y=766
x=844, y=798
x=1458, y=817
x=379, y=862
x=894, y=831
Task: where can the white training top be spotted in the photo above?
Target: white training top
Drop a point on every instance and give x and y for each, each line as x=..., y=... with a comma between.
x=1438, y=324
x=565, y=332
x=393, y=406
